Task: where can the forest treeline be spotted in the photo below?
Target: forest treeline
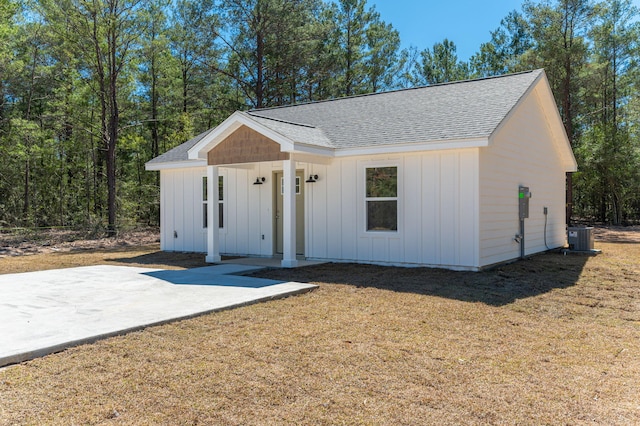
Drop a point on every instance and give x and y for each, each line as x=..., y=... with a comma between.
x=92, y=89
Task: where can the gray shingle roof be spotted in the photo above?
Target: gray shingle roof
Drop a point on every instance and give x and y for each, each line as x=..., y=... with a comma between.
x=450, y=111
x=301, y=133
x=460, y=110
x=180, y=152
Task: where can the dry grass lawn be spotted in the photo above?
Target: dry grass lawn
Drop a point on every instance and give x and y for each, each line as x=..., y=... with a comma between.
x=550, y=340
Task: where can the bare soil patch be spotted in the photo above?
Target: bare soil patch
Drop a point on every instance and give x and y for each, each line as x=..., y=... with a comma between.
x=550, y=340
x=148, y=256
x=24, y=242
x=617, y=234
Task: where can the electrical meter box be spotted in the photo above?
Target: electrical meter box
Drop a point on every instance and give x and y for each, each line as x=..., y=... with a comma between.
x=523, y=202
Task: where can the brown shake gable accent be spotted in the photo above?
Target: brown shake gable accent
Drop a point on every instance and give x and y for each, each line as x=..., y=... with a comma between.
x=245, y=145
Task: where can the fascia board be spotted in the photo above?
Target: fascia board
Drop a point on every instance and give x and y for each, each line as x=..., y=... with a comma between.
x=569, y=159
x=313, y=150
x=542, y=87
x=223, y=130
x=526, y=94
x=414, y=147
x=175, y=165
x=227, y=127
x=554, y=121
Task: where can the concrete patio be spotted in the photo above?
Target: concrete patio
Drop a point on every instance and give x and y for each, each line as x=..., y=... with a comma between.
x=48, y=311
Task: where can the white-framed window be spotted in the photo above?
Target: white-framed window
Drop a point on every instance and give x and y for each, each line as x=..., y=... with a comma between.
x=205, y=204
x=381, y=199
x=205, y=208
x=297, y=185
x=220, y=202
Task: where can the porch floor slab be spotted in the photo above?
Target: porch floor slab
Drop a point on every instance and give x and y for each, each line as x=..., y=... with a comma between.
x=268, y=262
x=48, y=311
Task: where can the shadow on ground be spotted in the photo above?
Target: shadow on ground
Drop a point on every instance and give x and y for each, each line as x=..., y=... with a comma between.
x=497, y=287
x=205, y=276
x=183, y=260
x=175, y=259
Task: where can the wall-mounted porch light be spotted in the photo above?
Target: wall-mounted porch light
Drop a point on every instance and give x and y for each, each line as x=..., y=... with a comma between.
x=259, y=181
x=312, y=179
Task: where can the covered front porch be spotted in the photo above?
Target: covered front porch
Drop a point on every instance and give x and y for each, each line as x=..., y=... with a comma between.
x=271, y=203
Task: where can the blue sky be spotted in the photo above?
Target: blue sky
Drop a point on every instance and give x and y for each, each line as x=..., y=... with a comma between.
x=467, y=23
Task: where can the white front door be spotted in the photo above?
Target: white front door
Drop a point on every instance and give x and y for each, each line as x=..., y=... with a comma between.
x=279, y=225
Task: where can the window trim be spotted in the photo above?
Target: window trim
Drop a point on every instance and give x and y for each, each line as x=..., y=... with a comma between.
x=298, y=185
x=205, y=203
x=365, y=199
x=222, y=190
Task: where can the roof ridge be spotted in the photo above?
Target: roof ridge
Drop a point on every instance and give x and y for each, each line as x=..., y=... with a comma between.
x=253, y=114
x=406, y=89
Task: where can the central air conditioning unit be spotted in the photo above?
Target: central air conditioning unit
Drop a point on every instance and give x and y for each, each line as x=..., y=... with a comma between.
x=581, y=239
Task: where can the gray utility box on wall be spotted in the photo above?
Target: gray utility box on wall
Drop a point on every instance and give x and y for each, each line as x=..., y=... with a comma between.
x=581, y=239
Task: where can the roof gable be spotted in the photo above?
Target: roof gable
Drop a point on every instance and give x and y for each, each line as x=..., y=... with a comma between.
x=245, y=145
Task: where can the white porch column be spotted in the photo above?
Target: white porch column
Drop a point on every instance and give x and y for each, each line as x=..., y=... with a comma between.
x=213, y=233
x=289, y=213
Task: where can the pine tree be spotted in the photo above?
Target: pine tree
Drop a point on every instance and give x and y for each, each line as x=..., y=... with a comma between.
x=440, y=65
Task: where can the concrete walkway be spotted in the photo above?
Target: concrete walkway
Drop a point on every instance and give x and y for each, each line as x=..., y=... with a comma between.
x=48, y=311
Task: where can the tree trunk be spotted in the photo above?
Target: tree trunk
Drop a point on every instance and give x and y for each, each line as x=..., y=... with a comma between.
x=112, y=141
x=185, y=88
x=349, y=68
x=111, y=177
x=259, y=70
x=569, y=196
x=27, y=165
x=2, y=101
x=26, y=195
x=155, y=139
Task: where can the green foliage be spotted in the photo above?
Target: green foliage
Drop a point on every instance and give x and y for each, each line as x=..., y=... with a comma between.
x=384, y=59
x=90, y=91
x=589, y=51
x=508, y=44
x=440, y=65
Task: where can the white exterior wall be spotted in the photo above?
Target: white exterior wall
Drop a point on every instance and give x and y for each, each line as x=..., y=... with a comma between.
x=181, y=210
x=437, y=208
x=521, y=153
x=248, y=210
x=438, y=216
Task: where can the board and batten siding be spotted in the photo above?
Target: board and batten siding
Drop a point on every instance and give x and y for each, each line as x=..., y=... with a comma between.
x=181, y=222
x=247, y=210
x=437, y=211
x=521, y=153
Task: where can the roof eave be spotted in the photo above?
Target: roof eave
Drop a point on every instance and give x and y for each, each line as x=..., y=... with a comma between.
x=437, y=145
x=303, y=148
x=150, y=166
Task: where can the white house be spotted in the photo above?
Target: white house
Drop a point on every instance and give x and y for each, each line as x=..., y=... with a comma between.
x=426, y=176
